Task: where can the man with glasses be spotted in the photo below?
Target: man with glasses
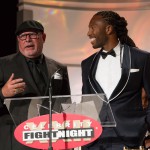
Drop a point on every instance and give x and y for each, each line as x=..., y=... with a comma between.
x=28, y=73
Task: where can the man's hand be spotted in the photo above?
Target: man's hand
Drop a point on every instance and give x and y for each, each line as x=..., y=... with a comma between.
x=13, y=86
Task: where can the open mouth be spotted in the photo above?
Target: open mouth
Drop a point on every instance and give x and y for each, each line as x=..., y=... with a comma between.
x=92, y=40
x=29, y=46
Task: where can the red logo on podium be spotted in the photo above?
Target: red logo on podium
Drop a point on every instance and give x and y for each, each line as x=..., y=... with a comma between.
x=68, y=131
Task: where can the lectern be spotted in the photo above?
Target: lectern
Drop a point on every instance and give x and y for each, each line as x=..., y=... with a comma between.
x=73, y=124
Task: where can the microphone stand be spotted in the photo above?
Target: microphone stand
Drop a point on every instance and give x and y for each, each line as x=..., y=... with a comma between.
x=50, y=110
x=50, y=117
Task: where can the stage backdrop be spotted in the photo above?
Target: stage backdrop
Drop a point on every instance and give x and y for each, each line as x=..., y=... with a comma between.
x=66, y=26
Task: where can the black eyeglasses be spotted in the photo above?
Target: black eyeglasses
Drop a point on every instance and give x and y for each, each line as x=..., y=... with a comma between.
x=31, y=36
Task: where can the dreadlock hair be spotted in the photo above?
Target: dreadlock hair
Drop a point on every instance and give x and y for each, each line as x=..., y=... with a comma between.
x=119, y=24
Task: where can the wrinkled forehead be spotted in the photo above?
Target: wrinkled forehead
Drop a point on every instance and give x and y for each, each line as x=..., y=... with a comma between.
x=29, y=31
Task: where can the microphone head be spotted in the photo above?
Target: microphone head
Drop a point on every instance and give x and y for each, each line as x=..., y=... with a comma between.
x=55, y=75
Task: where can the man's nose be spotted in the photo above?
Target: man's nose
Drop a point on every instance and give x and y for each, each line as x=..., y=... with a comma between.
x=89, y=33
x=28, y=38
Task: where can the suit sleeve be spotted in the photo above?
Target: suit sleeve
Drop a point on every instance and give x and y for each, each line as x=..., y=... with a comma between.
x=146, y=82
x=1, y=84
x=66, y=86
x=85, y=80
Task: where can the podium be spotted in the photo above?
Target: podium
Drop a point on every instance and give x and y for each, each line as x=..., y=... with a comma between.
x=73, y=124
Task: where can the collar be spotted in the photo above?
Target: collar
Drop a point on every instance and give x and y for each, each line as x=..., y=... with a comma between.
x=37, y=59
x=116, y=49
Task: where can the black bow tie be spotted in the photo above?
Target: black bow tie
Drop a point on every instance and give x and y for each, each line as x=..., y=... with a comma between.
x=111, y=52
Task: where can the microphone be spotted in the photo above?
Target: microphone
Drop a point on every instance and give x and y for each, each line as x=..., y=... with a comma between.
x=55, y=73
x=50, y=107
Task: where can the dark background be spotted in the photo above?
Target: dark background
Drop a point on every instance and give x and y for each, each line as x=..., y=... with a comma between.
x=8, y=17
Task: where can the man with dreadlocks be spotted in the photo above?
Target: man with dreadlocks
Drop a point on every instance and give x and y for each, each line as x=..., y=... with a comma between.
x=119, y=70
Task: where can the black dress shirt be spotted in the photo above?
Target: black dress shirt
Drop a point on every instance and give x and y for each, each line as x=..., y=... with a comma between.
x=39, y=72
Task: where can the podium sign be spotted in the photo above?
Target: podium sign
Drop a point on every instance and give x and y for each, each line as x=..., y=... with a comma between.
x=73, y=124
x=69, y=131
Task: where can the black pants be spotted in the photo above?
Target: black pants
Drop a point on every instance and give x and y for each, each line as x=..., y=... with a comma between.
x=108, y=146
x=7, y=139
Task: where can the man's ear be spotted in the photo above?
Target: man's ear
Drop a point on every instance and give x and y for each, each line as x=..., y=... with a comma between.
x=109, y=29
x=44, y=37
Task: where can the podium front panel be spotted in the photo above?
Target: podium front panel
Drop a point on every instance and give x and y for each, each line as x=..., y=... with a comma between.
x=61, y=122
x=91, y=105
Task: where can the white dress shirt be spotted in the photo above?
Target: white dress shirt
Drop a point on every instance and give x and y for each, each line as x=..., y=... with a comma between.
x=108, y=72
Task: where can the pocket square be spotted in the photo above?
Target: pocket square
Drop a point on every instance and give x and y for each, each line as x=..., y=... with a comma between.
x=58, y=76
x=134, y=70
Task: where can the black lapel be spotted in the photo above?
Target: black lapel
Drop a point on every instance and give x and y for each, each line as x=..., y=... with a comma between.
x=126, y=65
x=95, y=85
x=51, y=68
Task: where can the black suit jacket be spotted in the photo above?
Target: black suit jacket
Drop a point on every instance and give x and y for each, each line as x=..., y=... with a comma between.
x=126, y=103
x=16, y=63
